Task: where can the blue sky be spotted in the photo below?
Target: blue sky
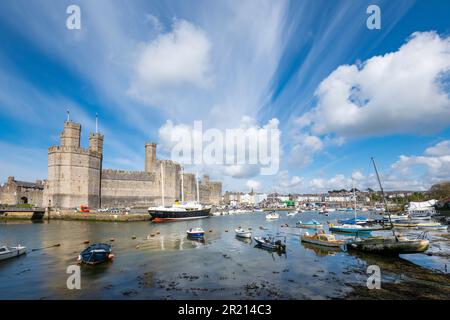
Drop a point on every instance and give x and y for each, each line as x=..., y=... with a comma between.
x=151, y=67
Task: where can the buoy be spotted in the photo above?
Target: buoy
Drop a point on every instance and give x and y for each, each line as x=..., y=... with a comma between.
x=133, y=237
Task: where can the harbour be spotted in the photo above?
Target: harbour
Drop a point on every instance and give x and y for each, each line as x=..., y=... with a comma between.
x=158, y=261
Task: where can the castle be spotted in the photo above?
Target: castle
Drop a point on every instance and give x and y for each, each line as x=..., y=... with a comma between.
x=76, y=177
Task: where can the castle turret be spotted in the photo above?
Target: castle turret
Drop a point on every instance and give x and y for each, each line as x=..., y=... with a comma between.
x=150, y=156
x=70, y=137
x=96, y=143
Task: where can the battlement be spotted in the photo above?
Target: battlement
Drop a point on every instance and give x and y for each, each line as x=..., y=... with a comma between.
x=112, y=174
x=71, y=149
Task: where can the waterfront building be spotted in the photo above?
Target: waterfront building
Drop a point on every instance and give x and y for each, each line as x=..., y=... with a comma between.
x=15, y=192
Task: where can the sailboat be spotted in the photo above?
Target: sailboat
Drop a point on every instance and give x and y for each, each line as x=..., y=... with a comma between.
x=353, y=225
x=178, y=211
x=397, y=244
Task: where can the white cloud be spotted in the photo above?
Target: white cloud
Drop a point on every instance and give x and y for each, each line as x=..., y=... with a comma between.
x=399, y=92
x=258, y=141
x=303, y=152
x=435, y=162
x=174, y=59
x=286, y=183
x=441, y=149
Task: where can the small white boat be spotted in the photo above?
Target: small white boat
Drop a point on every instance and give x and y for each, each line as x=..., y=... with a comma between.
x=272, y=216
x=195, y=233
x=11, y=252
x=243, y=233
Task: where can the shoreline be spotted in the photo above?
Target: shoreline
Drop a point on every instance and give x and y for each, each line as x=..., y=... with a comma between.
x=70, y=215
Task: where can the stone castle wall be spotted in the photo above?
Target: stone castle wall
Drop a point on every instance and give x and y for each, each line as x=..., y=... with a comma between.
x=76, y=177
x=129, y=188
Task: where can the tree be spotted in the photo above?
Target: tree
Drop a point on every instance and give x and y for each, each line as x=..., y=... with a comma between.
x=440, y=191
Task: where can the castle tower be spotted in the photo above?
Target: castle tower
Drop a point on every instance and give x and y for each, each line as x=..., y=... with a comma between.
x=74, y=173
x=96, y=143
x=150, y=156
x=70, y=137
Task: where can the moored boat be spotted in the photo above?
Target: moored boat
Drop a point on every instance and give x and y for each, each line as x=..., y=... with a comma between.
x=243, y=233
x=270, y=243
x=96, y=254
x=312, y=224
x=178, y=212
x=272, y=216
x=351, y=228
x=195, y=232
x=11, y=252
x=322, y=239
x=389, y=246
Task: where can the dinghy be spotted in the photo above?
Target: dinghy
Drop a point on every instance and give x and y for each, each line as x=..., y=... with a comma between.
x=11, y=252
x=243, y=233
x=272, y=216
x=270, y=243
x=96, y=254
x=195, y=233
x=322, y=239
x=313, y=224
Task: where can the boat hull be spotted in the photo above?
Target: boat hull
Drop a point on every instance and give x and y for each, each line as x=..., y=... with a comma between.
x=96, y=254
x=322, y=243
x=170, y=216
x=390, y=247
x=247, y=234
x=13, y=253
x=309, y=226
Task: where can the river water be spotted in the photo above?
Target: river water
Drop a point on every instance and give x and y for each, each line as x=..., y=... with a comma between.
x=161, y=263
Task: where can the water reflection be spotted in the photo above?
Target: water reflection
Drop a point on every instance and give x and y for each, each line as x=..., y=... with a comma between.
x=221, y=262
x=321, y=251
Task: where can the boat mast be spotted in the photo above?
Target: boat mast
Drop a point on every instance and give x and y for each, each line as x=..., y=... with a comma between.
x=162, y=184
x=384, y=198
x=354, y=198
x=182, y=186
x=198, y=191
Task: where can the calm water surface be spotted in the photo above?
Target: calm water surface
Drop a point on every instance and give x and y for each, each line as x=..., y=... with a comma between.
x=169, y=266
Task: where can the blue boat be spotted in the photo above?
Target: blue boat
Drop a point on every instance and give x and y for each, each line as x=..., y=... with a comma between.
x=313, y=224
x=355, y=220
x=96, y=253
x=351, y=228
x=195, y=233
